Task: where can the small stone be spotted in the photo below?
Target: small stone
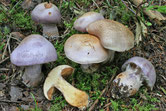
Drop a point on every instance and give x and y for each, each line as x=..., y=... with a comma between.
x=15, y=93
x=1, y=93
x=25, y=107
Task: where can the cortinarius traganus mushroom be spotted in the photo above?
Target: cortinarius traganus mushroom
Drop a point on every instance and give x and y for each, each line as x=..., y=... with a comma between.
x=73, y=96
x=113, y=35
x=82, y=22
x=86, y=50
x=33, y=51
x=49, y=16
x=137, y=71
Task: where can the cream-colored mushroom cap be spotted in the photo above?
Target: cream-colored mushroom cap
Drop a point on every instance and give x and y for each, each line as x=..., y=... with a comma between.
x=113, y=35
x=83, y=21
x=85, y=49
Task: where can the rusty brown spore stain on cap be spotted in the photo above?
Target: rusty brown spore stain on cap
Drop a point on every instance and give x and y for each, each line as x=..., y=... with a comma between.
x=121, y=75
x=67, y=71
x=50, y=92
x=49, y=13
x=48, y=5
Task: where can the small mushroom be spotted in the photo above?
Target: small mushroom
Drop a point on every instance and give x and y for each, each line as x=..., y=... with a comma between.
x=86, y=50
x=49, y=16
x=33, y=51
x=137, y=71
x=113, y=35
x=82, y=22
x=73, y=96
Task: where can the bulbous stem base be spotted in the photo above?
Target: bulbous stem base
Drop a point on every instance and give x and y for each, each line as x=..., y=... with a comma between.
x=89, y=68
x=50, y=31
x=127, y=83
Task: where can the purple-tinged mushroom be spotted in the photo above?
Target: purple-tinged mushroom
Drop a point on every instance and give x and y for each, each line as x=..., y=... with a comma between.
x=32, y=52
x=49, y=16
x=82, y=22
x=137, y=71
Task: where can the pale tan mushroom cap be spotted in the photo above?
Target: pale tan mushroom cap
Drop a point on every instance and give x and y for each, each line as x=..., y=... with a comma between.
x=85, y=49
x=83, y=21
x=113, y=35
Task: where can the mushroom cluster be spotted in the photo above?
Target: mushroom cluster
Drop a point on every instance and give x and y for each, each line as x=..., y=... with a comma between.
x=98, y=46
x=137, y=71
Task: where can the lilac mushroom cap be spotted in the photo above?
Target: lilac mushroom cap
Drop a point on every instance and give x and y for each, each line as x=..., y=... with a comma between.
x=149, y=73
x=82, y=22
x=49, y=16
x=33, y=51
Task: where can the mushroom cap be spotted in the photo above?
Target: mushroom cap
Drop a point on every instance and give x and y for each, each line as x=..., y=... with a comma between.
x=113, y=35
x=46, y=13
x=82, y=22
x=85, y=49
x=149, y=73
x=32, y=50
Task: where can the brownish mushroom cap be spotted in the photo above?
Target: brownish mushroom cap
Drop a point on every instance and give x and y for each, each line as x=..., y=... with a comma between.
x=85, y=49
x=113, y=35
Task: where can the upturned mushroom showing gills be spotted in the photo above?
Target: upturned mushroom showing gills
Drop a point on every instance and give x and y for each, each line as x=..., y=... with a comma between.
x=86, y=50
x=49, y=16
x=72, y=95
x=82, y=22
x=113, y=35
x=137, y=71
x=33, y=51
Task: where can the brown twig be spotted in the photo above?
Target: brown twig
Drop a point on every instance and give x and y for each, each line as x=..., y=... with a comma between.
x=8, y=101
x=7, y=44
x=102, y=93
x=4, y=60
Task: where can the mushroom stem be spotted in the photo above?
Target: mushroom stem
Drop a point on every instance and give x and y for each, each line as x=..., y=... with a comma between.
x=127, y=83
x=89, y=68
x=50, y=30
x=73, y=96
x=32, y=75
x=110, y=58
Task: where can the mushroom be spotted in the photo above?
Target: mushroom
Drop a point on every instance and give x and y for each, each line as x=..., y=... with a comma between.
x=86, y=50
x=82, y=22
x=137, y=71
x=113, y=35
x=72, y=95
x=49, y=16
x=33, y=51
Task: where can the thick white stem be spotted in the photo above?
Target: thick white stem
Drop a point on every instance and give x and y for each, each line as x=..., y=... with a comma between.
x=50, y=31
x=89, y=68
x=32, y=75
x=110, y=58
